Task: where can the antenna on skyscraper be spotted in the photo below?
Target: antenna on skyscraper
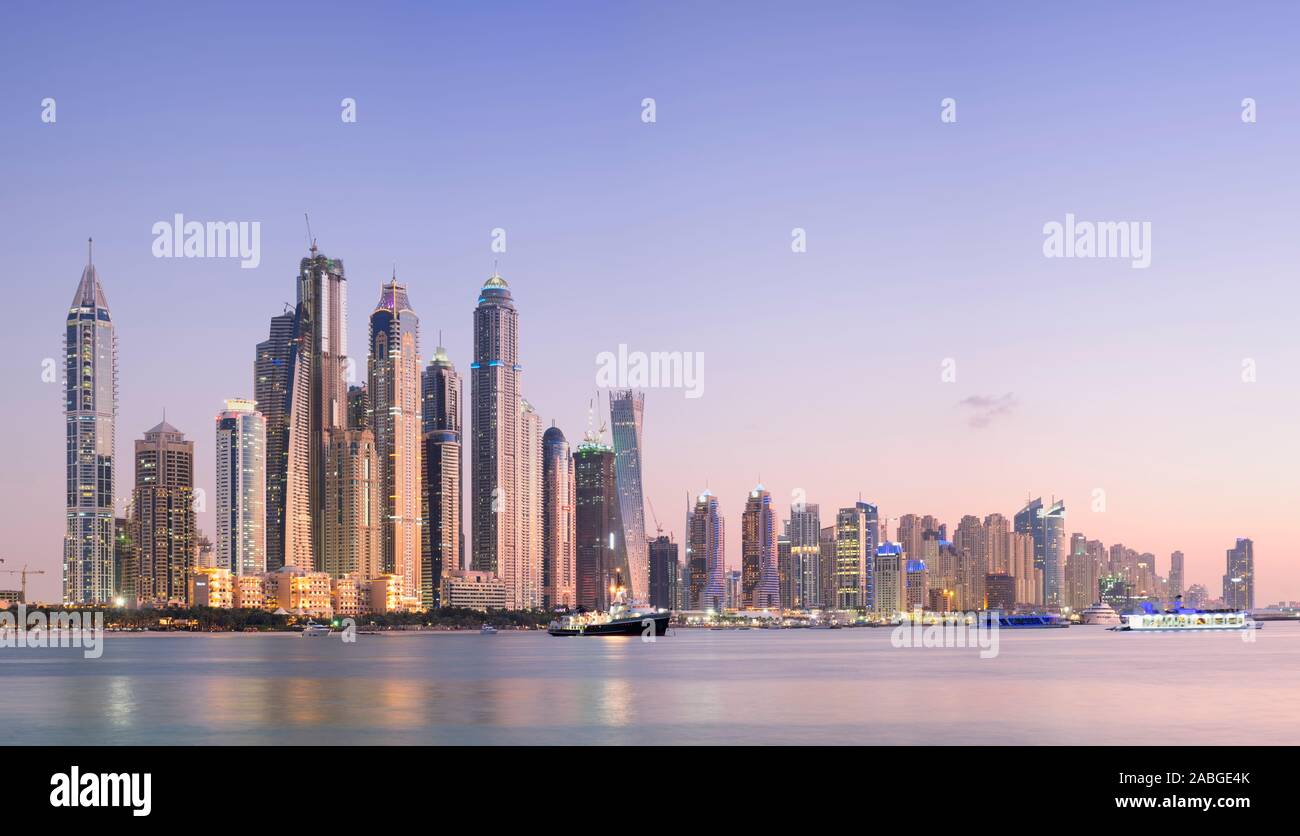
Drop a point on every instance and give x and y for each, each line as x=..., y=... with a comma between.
x=90, y=251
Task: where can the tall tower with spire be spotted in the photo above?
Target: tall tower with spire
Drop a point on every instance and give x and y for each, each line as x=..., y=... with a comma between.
x=316, y=394
x=394, y=391
x=443, y=542
x=495, y=415
x=90, y=409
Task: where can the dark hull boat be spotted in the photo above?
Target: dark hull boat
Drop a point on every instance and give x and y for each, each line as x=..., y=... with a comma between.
x=643, y=624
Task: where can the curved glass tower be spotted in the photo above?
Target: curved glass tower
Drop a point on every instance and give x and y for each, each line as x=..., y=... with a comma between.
x=90, y=410
x=626, y=410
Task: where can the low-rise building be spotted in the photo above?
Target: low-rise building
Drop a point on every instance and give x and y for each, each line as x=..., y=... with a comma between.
x=210, y=586
x=473, y=589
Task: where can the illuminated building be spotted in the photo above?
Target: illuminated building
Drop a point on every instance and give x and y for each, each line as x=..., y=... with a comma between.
x=90, y=413
x=163, y=505
x=472, y=589
x=760, y=582
x=241, y=489
x=444, y=538
x=211, y=587
x=626, y=412
x=706, y=529
x=1239, y=579
x=394, y=391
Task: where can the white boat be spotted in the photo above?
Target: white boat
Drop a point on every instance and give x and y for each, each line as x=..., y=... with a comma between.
x=313, y=629
x=487, y=630
x=1101, y=613
x=1180, y=619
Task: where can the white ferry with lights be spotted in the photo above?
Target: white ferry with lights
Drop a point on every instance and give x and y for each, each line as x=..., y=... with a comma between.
x=621, y=620
x=1180, y=619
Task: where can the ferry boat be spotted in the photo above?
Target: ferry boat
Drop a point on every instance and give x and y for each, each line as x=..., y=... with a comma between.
x=1180, y=619
x=621, y=620
x=1100, y=613
x=312, y=629
x=1026, y=621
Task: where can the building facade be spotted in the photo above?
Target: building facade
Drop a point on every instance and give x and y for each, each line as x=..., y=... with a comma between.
x=90, y=413
x=1239, y=579
x=163, y=505
x=241, y=489
x=444, y=539
x=626, y=414
x=395, y=403
x=559, y=579
x=760, y=575
x=600, y=559
x=494, y=430
x=353, y=503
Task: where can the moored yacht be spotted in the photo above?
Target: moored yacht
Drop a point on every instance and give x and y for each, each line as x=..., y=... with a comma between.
x=621, y=620
x=1100, y=613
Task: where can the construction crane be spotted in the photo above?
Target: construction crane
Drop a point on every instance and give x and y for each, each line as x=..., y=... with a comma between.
x=23, y=573
x=659, y=529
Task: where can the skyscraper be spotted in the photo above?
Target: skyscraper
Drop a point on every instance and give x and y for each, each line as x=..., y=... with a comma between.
x=271, y=375
x=600, y=559
x=804, y=531
x=706, y=530
x=664, y=572
x=241, y=489
x=163, y=526
x=852, y=540
x=997, y=543
x=494, y=427
x=558, y=531
x=760, y=581
x=524, y=577
x=316, y=398
x=1047, y=526
x=444, y=539
x=890, y=582
x=394, y=392
x=353, y=506
x=90, y=412
x=1175, y=574
x=1239, y=579
x=626, y=411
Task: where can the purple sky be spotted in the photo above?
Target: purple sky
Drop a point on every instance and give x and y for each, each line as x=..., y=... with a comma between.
x=822, y=369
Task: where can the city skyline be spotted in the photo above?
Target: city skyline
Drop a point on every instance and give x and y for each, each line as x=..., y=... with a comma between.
x=1145, y=401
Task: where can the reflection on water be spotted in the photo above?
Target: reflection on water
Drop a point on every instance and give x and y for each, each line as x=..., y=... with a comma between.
x=1082, y=685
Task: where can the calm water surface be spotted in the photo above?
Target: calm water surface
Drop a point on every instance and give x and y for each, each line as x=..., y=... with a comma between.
x=1080, y=685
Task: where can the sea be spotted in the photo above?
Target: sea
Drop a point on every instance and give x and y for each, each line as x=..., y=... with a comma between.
x=1080, y=685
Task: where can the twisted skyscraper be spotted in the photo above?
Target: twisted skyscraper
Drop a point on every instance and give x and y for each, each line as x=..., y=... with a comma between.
x=626, y=410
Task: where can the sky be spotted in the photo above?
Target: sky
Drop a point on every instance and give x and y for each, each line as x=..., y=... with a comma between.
x=922, y=353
